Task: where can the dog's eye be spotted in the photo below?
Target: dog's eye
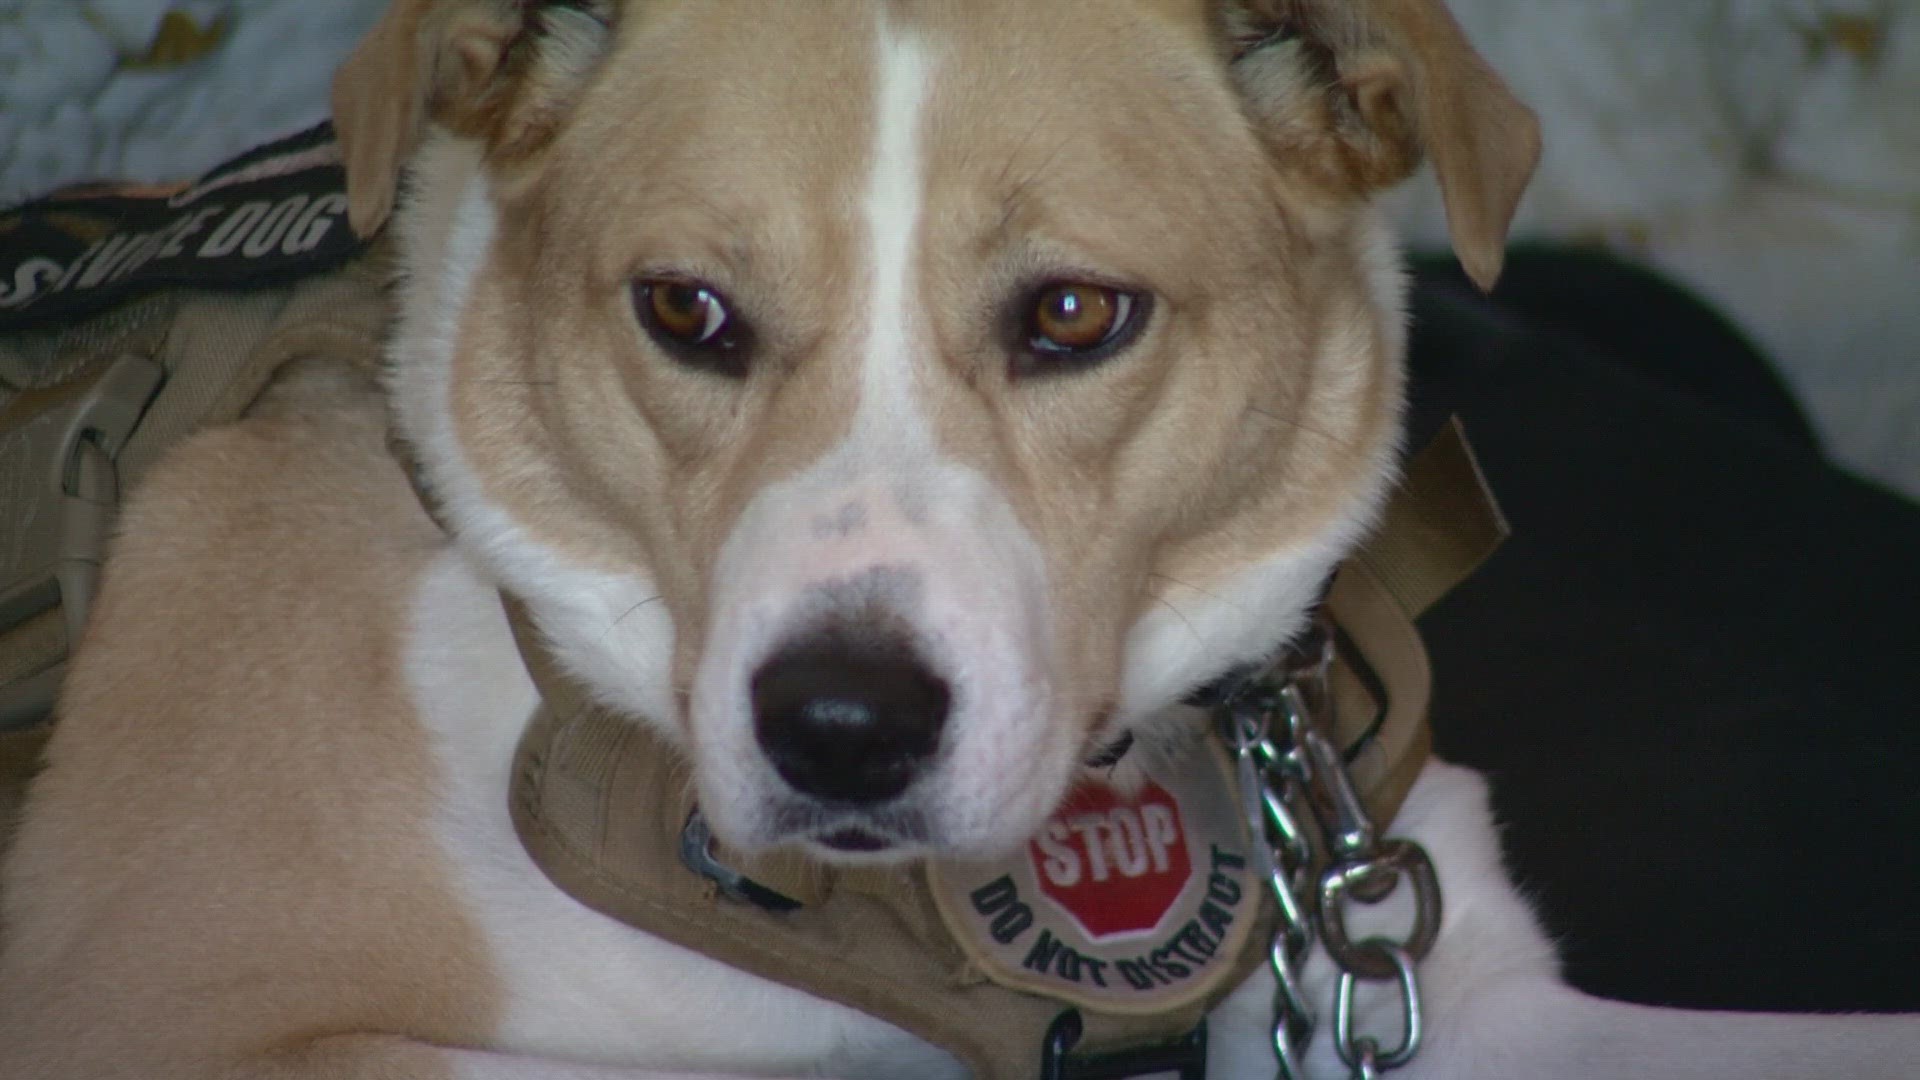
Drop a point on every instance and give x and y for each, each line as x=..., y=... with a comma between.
x=687, y=313
x=691, y=322
x=1076, y=318
x=1080, y=323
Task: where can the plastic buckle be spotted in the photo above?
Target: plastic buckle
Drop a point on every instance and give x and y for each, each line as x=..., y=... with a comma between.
x=61, y=489
x=696, y=854
x=1184, y=1058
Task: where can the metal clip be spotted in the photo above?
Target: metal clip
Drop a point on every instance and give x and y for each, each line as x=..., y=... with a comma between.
x=1396, y=859
x=1349, y=829
x=1306, y=816
x=58, y=449
x=696, y=854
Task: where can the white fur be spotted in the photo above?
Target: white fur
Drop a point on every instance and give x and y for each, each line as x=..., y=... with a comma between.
x=973, y=583
x=581, y=986
x=606, y=631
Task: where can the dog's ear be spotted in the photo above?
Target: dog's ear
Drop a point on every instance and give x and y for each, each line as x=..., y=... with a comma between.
x=502, y=71
x=1353, y=93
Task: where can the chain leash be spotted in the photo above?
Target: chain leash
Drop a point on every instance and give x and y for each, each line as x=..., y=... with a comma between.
x=1319, y=851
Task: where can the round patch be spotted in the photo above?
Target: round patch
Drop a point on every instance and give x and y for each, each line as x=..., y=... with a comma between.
x=1124, y=902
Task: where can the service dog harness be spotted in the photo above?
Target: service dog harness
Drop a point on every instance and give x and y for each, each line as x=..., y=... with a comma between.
x=1093, y=952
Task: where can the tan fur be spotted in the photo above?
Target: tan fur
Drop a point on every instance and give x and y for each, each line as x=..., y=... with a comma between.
x=1399, y=81
x=239, y=762
x=1238, y=426
x=235, y=796
x=473, y=67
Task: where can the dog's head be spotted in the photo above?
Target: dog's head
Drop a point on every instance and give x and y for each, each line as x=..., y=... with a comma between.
x=894, y=402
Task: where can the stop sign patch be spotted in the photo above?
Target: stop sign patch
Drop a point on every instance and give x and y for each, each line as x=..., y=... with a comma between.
x=1123, y=902
x=1115, y=865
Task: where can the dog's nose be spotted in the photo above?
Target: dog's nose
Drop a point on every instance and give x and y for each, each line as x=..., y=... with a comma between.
x=848, y=723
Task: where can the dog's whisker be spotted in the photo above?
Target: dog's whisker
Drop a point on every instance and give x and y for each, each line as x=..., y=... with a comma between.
x=1300, y=425
x=615, y=625
x=1014, y=197
x=1178, y=614
x=1208, y=593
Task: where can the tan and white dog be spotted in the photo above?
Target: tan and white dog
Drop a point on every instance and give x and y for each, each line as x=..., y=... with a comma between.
x=1033, y=360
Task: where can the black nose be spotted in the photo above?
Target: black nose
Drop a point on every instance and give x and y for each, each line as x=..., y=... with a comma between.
x=848, y=723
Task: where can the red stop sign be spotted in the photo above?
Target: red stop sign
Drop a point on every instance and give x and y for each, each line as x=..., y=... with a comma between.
x=1116, y=865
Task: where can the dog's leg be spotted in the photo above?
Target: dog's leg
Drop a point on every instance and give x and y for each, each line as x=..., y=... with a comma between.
x=382, y=1057
x=1495, y=1006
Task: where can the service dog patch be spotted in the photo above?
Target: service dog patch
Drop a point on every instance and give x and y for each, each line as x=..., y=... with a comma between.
x=1122, y=903
x=270, y=216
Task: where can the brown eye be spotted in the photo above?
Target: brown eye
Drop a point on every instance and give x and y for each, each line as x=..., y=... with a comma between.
x=691, y=322
x=689, y=314
x=1079, y=322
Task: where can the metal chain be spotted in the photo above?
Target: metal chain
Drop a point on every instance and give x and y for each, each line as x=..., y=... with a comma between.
x=1318, y=850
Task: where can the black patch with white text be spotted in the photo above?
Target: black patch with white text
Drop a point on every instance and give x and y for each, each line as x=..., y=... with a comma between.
x=268, y=217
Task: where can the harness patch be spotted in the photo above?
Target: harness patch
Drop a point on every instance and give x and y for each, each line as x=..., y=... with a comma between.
x=273, y=215
x=1124, y=903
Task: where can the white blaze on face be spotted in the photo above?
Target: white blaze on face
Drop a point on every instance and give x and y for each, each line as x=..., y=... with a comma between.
x=887, y=517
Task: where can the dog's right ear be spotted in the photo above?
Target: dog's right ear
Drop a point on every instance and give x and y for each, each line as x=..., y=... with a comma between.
x=498, y=70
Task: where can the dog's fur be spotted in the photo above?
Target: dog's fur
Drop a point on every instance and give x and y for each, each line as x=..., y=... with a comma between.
x=272, y=837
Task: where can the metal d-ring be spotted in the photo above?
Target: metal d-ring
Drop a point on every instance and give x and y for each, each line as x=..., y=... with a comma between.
x=1368, y=959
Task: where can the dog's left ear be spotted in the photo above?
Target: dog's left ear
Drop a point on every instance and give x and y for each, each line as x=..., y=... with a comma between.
x=502, y=71
x=1353, y=93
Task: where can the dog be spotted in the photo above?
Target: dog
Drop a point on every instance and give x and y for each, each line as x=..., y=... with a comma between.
x=1041, y=358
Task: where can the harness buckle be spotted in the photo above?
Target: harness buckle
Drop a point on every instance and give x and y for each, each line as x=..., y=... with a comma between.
x=1184, y=1058
x=58, y=467
x=696, y=854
